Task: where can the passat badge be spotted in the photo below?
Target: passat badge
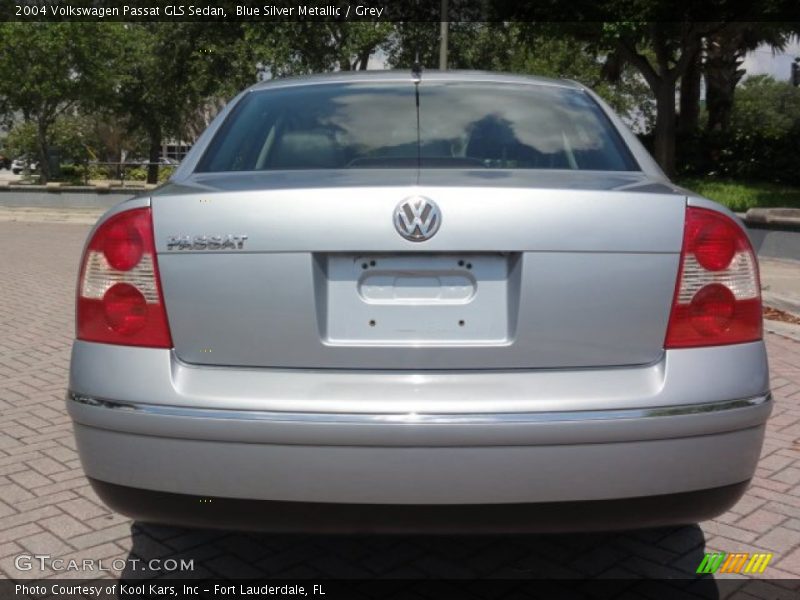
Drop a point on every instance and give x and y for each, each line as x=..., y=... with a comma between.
x=206, y=242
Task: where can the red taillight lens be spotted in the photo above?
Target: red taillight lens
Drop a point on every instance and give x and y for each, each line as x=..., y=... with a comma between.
x=717, y=297
x=119, y=293
x=125, y=309
x=712, y=309
x=123, y=246
x=713, y=243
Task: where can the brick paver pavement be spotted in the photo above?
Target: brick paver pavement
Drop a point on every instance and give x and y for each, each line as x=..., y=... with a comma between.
x=46, y=505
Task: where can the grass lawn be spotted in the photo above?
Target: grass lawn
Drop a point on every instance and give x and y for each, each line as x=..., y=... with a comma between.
x=741, y=195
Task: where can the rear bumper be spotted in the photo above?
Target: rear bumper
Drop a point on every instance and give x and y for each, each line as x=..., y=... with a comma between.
x=294, y=517
x=415, y=472
x=692, y=423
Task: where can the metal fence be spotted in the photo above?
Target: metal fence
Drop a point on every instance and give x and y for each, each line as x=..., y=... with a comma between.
x=119, y=171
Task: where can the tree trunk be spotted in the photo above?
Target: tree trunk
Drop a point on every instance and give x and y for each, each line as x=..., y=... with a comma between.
x=154, y=137
x=43, y=148
x=665, y=128
x=722, y=74
x=662, y=80
x=690, y=96
x=363, y=59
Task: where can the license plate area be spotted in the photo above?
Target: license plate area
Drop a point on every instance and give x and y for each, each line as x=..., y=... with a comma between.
x=417, y=299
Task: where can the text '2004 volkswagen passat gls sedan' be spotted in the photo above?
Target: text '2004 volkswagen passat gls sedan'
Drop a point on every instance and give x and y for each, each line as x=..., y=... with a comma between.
x=419, y=302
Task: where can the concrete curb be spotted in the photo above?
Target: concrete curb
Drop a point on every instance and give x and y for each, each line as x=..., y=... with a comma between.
x=56, y=196
x=74, y=216
x=788, y=330
x=774, y=232
x=780, y=286
x=57, y=186
x=773, y=218
x=782, y=302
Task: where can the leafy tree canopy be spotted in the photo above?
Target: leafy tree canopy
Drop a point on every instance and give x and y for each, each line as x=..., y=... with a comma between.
x=765, y=106
x=50, y=68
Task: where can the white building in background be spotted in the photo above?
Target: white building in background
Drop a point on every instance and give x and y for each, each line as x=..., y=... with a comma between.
x=175, y=149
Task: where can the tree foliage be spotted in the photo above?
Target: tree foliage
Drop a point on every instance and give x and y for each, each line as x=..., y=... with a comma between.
x=294, y=48
x=762, y=141
x=74, y=136
x=167, y=71
x=150, y=81
x=50, y=69
x=765, y=106
x=725, y=54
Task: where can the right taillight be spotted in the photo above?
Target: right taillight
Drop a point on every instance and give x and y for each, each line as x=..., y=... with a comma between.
x=119, y=293
x=717, y=298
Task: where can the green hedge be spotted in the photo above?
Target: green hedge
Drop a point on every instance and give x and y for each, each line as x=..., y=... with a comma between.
x=742, y=155
x=78, y=174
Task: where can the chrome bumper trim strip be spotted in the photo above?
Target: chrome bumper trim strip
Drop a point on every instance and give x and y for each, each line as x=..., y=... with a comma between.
x=421, y=418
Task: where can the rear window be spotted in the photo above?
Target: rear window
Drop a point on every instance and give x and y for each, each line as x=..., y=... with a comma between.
x=461, y=125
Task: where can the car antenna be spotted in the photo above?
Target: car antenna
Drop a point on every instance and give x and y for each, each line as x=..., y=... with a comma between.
x=416, y=67
x=416, y=75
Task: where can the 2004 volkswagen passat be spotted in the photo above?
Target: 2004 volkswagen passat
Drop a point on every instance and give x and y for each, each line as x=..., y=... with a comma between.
x=430, y=302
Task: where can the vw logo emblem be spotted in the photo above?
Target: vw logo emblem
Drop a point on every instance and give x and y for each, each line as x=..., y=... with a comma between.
x=417, y=218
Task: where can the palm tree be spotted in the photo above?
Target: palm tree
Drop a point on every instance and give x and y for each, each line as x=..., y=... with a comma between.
x=725, y=51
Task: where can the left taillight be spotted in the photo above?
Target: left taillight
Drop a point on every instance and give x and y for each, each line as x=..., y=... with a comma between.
x=119, y=291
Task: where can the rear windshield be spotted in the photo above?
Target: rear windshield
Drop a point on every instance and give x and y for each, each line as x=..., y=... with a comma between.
x=461, y=125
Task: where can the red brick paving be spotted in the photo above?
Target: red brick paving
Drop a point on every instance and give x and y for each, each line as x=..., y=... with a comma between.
x=47, y=506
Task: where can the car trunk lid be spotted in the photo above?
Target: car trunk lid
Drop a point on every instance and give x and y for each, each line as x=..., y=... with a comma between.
x=539, y=270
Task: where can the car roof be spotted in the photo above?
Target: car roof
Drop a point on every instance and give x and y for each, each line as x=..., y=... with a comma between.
x=406, y=75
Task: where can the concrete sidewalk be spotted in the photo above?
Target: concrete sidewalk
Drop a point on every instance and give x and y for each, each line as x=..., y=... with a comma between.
x=780, y=284
x=780, y=288
x=78, y=216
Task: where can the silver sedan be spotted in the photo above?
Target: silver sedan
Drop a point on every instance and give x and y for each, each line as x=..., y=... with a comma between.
x=419, y=302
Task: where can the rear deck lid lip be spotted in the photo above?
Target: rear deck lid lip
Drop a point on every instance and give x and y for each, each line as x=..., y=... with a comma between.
x=558, y=179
